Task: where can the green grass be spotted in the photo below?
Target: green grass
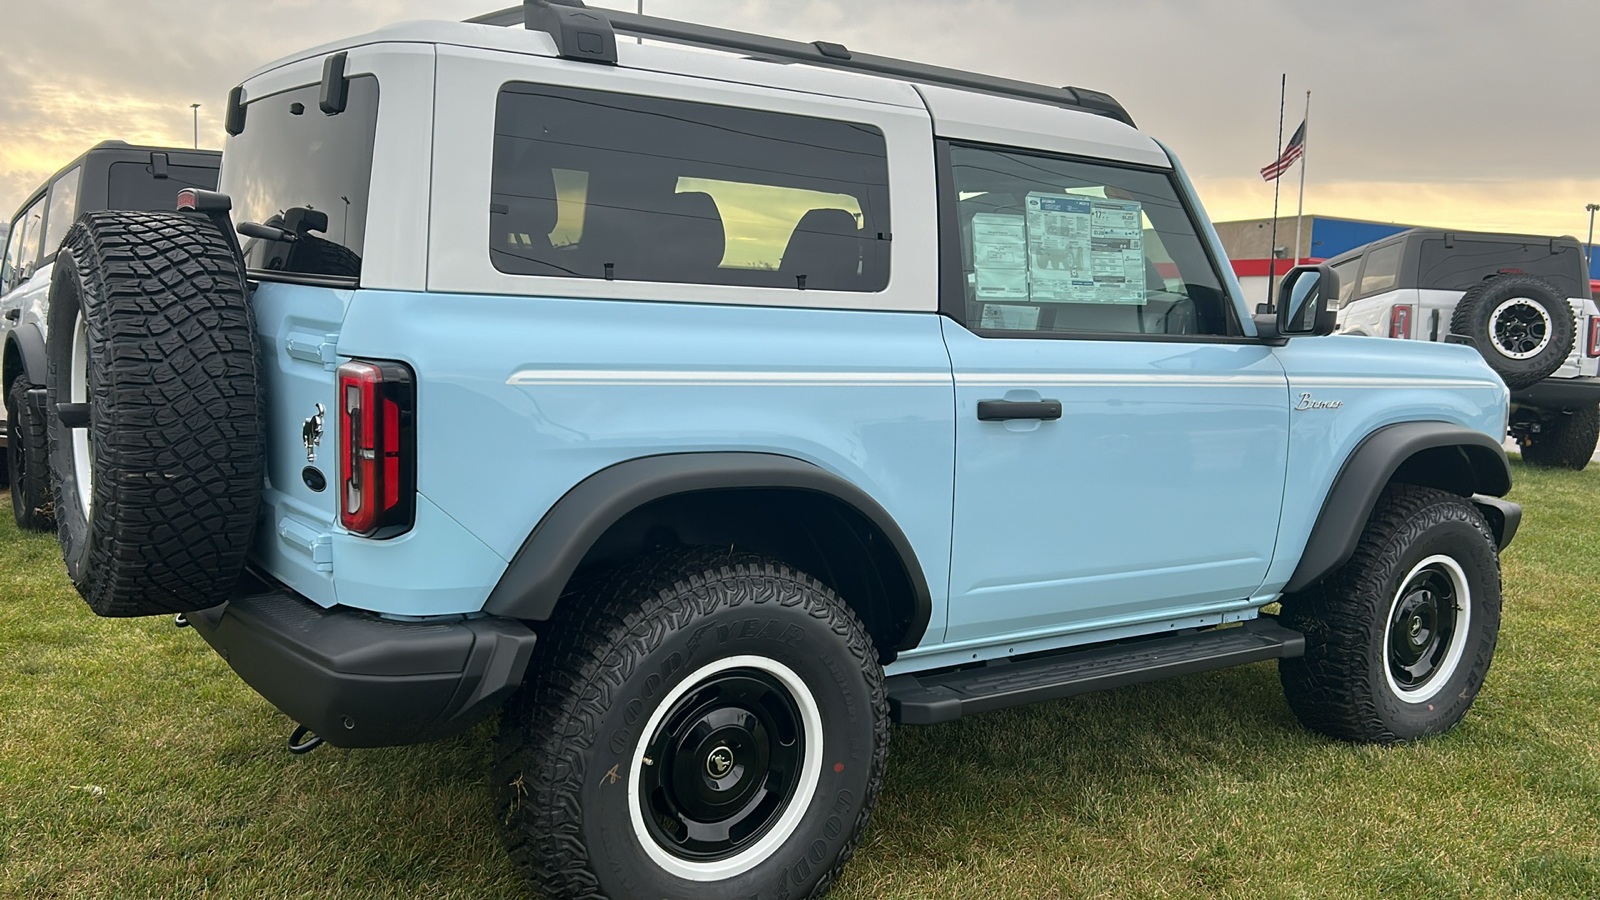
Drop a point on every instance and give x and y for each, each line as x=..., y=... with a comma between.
x=133, y=763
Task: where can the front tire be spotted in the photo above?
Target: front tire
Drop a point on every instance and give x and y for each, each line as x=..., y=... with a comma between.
x=699, y=724
x=1399, y=640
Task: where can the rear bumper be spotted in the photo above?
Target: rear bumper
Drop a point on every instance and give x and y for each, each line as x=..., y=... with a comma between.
x=358, y=680
x=1560, y=393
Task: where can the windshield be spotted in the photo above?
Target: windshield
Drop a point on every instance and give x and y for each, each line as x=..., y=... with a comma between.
x=307, y=173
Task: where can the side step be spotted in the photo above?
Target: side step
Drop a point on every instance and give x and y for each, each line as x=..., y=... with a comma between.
x=931, y=699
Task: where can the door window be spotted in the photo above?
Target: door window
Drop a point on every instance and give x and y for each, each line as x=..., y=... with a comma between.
x=1050, y=244
x=63, y=209
x=1347, y=272
x=26, y=233
x=591, y=184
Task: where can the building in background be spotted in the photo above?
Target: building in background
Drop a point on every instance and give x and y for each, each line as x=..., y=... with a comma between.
x=1249, y=245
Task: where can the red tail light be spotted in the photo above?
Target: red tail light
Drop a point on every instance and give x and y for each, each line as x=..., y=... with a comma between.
x=377, y=449
x=1594, y=336
x=1400, y=322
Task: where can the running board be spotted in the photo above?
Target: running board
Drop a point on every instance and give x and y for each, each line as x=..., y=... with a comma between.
x=945, y=697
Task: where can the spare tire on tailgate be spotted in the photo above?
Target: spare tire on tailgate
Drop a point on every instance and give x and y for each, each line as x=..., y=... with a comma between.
x=155, y=417
x=1522, y=325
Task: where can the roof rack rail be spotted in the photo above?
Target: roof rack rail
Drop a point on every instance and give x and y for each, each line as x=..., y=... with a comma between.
x=589, y=34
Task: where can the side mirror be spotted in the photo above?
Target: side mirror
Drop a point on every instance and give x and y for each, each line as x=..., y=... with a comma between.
x=1303, y=297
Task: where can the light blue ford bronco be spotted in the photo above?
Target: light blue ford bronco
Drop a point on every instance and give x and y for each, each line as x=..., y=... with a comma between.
x=701, y=414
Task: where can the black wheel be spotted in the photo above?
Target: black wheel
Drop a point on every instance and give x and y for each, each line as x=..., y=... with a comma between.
x=27, y=460
x=1399, y=640
x=1565, y=440
x=1521, y=324
x=157, y=482
x=699, y=724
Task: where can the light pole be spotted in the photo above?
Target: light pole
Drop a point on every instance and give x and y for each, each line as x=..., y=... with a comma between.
x=196, y=108
x=641, y=12
x=1588, y=249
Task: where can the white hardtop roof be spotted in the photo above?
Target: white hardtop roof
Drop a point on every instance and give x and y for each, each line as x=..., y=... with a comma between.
x=958, y=114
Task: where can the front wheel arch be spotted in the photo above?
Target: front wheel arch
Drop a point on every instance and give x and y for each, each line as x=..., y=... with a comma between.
x=1426, y=454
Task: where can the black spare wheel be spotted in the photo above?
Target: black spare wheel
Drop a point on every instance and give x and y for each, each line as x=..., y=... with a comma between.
x=697, y=723
x=27, y=458
x=1521, y=324
x=154, y=412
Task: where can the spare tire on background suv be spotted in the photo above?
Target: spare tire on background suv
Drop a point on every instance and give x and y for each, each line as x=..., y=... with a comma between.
x=1522, y=325
x=155, y=414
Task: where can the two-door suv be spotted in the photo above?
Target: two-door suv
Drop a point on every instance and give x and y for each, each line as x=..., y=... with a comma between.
x=700, y=414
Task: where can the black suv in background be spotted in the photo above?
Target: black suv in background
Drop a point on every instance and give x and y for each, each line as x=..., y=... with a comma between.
x=1524, y=301
x=111, y=175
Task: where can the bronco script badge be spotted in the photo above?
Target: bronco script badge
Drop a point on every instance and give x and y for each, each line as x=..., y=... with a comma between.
x=1306, y=402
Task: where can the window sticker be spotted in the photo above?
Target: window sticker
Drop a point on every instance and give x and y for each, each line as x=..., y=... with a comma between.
x=1085, y=250
x=1005, y=317
x=1000, y=256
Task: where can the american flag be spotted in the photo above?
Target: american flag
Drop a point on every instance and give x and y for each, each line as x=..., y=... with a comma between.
x=1291, y=153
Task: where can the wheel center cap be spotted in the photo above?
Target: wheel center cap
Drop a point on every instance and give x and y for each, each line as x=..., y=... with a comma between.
x=1416, y=626
x=719, y=762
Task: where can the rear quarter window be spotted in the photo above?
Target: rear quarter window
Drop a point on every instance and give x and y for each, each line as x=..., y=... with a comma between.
x=1382, y=272
x=590, y=184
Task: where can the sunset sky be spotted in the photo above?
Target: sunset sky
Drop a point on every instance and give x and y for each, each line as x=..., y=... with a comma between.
x=1473, y=114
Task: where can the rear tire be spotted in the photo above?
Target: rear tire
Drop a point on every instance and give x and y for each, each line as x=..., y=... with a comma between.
x=27, y=460
x=1565, y=440
x=1398, y=640
x=152, y=331
x=1522, y=325
x=696, y=724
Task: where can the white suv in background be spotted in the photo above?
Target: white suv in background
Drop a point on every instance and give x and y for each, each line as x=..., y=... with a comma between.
x=1524, y=301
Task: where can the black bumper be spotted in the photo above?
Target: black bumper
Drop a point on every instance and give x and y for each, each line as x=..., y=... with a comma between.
x=1503, y=517
x=1560, y=393
x=358, y=680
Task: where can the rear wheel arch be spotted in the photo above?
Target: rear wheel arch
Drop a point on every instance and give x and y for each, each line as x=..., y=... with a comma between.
x=1427, y=454
x=775, y=505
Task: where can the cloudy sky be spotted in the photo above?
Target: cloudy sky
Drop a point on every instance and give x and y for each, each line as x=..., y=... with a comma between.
x=1458, y=113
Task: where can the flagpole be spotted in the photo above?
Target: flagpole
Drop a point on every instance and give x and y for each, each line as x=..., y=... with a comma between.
x=1272, y=249
x=1300, y=211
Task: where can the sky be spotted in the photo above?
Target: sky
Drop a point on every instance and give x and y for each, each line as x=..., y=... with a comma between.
x=1470, y=114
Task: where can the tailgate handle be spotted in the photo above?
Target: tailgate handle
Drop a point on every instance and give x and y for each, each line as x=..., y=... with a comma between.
x=1002, y=410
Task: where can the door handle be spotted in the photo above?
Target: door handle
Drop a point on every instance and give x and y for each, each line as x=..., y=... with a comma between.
x=13, y=315
x=1002, y=410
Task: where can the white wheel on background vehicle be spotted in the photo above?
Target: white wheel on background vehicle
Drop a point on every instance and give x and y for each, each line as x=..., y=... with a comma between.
x=1520, y=328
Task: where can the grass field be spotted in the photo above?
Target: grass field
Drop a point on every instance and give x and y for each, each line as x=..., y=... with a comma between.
x=133, y=763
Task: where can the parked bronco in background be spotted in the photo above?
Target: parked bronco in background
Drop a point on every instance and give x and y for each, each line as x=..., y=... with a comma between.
x=701, y=416
x=1525, y=302
x=111, y=175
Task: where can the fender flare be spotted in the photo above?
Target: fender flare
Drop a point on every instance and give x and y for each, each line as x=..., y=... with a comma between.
x=30, y=347
x=532, y=584
x=1367, y=472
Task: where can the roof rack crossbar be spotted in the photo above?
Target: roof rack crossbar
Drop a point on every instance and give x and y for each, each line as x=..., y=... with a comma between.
x=822, y=53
